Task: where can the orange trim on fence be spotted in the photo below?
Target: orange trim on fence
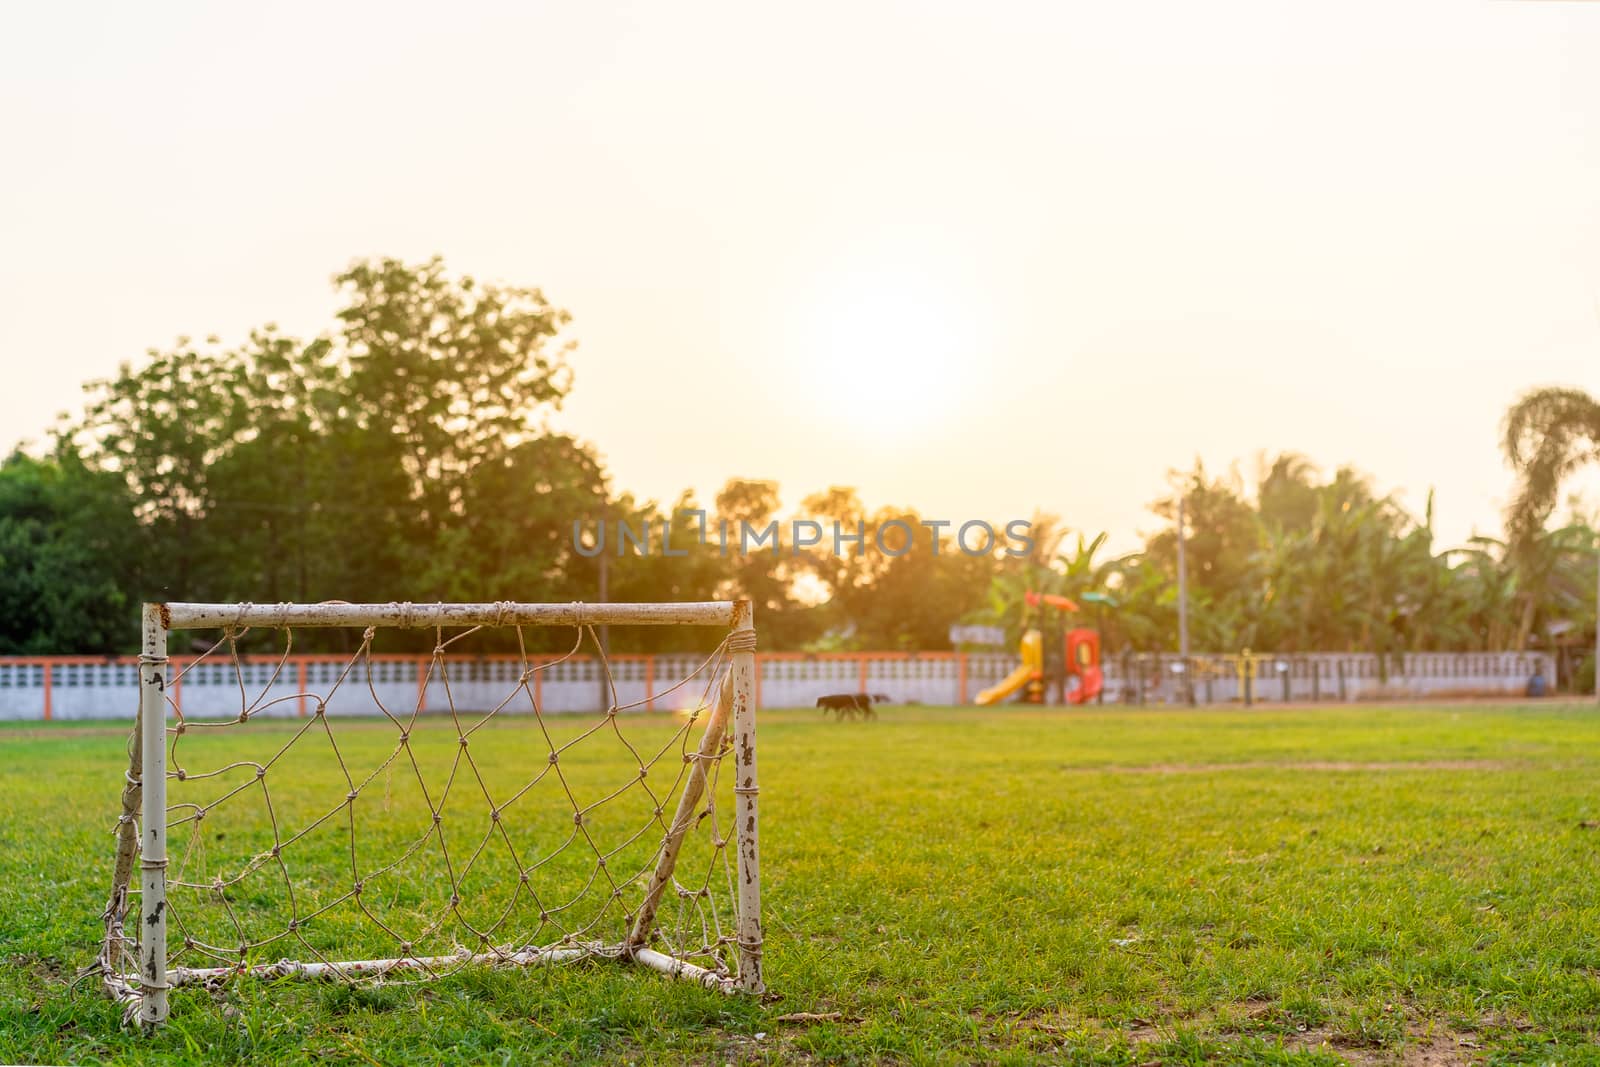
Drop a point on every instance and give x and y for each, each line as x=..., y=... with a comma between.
x=409, y=657
x=177, y=686
x=899, y=657
x=48, y=670
x=861, y=676
x=758, y=657
x=302, y=689
x=424, y=666
x=961, y=662
x=650, y=683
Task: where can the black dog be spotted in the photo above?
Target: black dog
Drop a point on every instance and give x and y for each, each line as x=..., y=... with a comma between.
x=847, y=705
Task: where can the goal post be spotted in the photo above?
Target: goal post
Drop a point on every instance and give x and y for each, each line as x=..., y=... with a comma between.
x=378, y=837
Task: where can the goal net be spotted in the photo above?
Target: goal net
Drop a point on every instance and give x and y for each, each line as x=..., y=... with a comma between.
x=367, y=826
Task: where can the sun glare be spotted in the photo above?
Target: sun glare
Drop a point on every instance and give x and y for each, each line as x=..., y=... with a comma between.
x=892, y=351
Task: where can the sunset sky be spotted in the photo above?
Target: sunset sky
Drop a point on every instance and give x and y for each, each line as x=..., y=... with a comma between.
x=977, y=259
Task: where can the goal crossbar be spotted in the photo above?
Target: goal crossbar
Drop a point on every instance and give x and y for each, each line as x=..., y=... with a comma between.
x=406, y=615
x=143, y=829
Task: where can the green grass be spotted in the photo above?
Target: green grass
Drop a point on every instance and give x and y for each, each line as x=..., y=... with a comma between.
x=1122, y=887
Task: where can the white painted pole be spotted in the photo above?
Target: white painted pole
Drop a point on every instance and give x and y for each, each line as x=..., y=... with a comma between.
x=689, y=972
x=369, y=969
x=527, y=957
x=116, y=914
x=407, y=615
x=153, y=827
x=688, y=801
x=746, y=791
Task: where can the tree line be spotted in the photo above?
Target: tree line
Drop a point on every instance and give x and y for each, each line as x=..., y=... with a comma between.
x=406, y=454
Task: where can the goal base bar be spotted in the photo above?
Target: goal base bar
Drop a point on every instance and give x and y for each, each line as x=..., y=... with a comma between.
x=126, y=987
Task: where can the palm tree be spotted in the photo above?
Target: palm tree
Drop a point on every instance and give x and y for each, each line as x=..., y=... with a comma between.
x=1051, y=569
x=1485, y=582
x=1549, y=434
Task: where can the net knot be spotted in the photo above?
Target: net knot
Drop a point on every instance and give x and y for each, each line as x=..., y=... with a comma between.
x=147, y=659
x=501, y=607
x=742, y=641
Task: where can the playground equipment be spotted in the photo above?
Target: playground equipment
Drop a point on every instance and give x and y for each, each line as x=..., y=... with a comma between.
x=1046, y=664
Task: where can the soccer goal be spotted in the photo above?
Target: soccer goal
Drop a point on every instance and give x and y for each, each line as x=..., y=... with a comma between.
x=386, y=814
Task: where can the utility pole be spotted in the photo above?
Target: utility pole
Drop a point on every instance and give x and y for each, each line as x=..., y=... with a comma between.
x=1183, y=609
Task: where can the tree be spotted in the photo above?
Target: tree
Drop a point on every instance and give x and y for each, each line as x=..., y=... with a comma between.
x=1223, y=532
x=448, y=371
x=70, y=552
x=339, y=467
x=762, y=572
x=1548, y=435
x=1286, y=493
x=916, y=584
x=513, y=539
x=1051, y=570
x=162, y=427
x=694, y=571
x=841, y=573
x=1222, y=551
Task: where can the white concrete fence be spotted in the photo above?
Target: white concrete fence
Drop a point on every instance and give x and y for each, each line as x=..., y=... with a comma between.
x=84, y=687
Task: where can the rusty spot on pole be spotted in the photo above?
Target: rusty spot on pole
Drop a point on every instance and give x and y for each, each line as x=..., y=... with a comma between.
x=166, y=616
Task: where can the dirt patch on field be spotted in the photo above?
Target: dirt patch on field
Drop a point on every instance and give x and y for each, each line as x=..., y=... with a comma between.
x=1308, y=765
x=1439, y=1049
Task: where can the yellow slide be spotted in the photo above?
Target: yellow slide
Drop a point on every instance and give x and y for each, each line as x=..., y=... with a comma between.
x=1032, y=668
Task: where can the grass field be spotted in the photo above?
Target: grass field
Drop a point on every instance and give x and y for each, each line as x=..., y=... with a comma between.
x=1361, y=884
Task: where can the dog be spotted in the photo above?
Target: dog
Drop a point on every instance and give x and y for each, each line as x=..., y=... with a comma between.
x=847, y=705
